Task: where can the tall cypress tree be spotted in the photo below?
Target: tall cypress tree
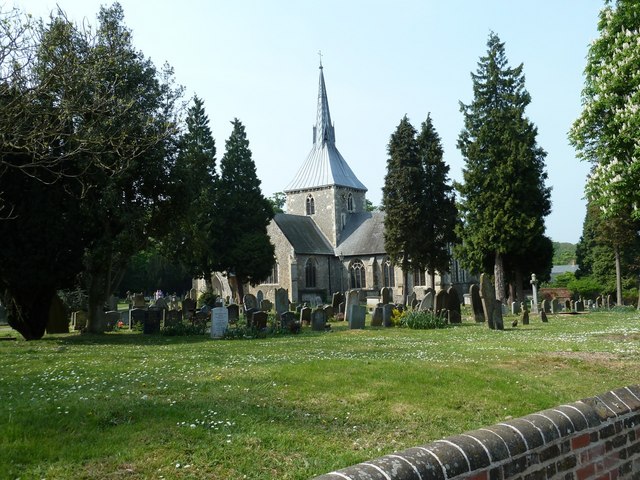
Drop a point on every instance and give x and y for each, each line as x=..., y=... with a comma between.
x=503, y=197
x=244, y=249
x=439, y=215
x=402, y=197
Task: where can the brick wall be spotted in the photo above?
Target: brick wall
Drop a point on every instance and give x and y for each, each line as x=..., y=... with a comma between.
x=595, y=438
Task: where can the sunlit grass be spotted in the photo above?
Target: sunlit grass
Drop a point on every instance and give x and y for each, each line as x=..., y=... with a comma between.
x=125, y=405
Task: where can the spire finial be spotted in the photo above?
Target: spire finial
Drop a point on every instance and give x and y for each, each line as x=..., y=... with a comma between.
x=320, y=55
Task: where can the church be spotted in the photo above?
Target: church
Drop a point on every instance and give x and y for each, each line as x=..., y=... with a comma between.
x=328, y=241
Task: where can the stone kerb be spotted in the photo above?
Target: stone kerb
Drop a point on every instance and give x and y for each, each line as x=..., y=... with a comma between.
x=597, y=437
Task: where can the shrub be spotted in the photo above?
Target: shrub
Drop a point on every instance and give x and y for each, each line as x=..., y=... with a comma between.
x=586, y=287
x=423, y=320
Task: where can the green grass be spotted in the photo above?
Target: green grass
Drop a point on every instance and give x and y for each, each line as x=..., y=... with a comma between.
x=125, y=405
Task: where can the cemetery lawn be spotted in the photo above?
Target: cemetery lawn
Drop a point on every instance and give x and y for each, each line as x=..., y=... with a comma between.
x=126, y=405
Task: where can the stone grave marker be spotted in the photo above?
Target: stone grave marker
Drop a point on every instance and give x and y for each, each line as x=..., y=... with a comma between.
x=341, y=308
x=515, y=308
x=609, y=302
x=411, y=299
x=545, y=307
x=376, y=317
x=415, y=304
x=476, y=303
x=555, y=306
x=441, y=301
x=219, y=322
x=139, y=301
x=234, y=312
x=386, y=295
x=567, y=305
x=525, y=314
x=58, y=321
x=387, y=314
x=336, y=300
x=249, y=301
x=452, y=304
x=579, y=305
x=305, y=315
x=161, y=303
x=173, y=318
x=259, y=297
x=498, y=322
x=573, y=305
x=318, y=320
x=137, y=316
x=188, y=308
x=427, y=302
x=589, y=304
x=357, y=315
x=287, y=319
x=281, y=301
x=79, y=319
x=112, y=303
x=193, y=294
x=352, y=298
x=543, y=316
x=152, y=321
x=111, y=319
x=328, y=311
x=488, y=298
x=266, y=305
x=259, y=319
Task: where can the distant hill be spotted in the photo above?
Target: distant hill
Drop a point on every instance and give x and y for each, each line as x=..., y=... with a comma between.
x=564, y=253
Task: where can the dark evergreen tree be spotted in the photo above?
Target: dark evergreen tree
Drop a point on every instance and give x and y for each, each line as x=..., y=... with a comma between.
x=193, y=237
x=403, y=198
x=503, y=196
x=439, y=214
x=244, y=250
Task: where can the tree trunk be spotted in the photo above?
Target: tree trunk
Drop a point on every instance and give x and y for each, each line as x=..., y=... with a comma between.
x=519, y=289
x=432, y=275
x=97, y=298
x=28, y=311
x=498, y=271
x=616, y=251
x=405, y=287
x=512, y=292
x=240, y=287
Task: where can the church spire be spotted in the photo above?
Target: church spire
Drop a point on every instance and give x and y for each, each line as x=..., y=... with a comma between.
x=323, y=131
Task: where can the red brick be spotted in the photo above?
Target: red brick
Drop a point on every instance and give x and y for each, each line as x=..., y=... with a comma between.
x=479, y=476
x=596, y=451
x=581, y=441
x=586, y=472
x=613, y=474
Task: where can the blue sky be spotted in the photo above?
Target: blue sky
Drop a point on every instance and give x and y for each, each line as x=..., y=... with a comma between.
x=257, y=60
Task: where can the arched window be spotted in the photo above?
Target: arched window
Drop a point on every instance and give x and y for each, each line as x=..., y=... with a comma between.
x=273, y=278
x=419, y=278
x=388, y=274
x=357, y=277
x=311, y=205
x=310, y=273
x=350, y=202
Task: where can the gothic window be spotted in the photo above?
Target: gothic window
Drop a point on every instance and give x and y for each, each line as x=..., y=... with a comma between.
x=350, y=202
x=388, y=274
x=311, y=205
x=310, y=273
x=357, y=275
x=419, y=278
x=273, y=278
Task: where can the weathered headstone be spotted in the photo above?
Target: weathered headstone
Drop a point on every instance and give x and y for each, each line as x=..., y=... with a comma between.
x=266, y=305
x=452, y=304
x=259, y=320
x=441, y=300
x=357, y=315
x=137, y=316
x=525, y=314
x=386, y=295
x=139, y=301
x=249, y=301
x=152, y=321
x=573, y=306
x=111, y=319
x=376, y=317
x=498, y=322
x=476, y=303
x=287, y=319
x=515, y=308
x=543, y=316
x=488, y=297
x=305, y=315
x=112, y=303
x=219, y=322
x=336, y=300
x=609, y=302
x=387, y=315
x=234, y=312
x=352, y=298
x=411, y=299
x=318, y=320
x=193, y=294
x=259, y=297
x=79, y=319
x=188, y=308
x=545, y=306
x=161, y=303
x=589, y=304
x=427, y=302
x=173, y=318
x=341, y=308
x=555, y=306
x=281, y=301
x=328, y=311
x=567, y=305
x=579, y=306
x=58, y=321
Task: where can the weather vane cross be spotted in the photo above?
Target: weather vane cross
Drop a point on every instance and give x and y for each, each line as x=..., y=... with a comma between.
x=320, y=55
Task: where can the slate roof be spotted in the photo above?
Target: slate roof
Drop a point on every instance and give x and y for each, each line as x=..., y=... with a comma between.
x=362, y=235
x=324, y=165
x=303, y=234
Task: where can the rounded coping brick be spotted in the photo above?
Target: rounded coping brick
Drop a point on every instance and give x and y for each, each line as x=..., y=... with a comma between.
x=552, y=425
x=634, y=390
x=626, y=396
x=475, y=452
x=496, y=447
x=532, y=435
x=450, y=456
x=513, y=439
x=586, y=407
x=580, y=416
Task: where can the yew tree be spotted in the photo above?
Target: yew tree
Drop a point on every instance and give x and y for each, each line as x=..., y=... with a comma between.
x=503, y=198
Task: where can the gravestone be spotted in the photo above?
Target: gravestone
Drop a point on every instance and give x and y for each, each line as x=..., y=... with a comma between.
x=341, y=308
x=441, y=301
x=79, y=319
x=259, y=297
x=259, y=319
x=173, y=302
x=525, y=314
x=193, y=295
x=112, y=303
x=328, y=311
x=161, y=303
x=498, y=322
x=411, y=299
x=376, y=318
x=58, y=321
x=336, y=300
x=152, y=321
x=305, y=315
x=567, y=305
x=573, y=306
x=137, y=316
x=476, y=303
x=545, y=307
x=387, y=314
x=357, y=314
x=555, y=306
x=281, y=301
x=318, y=320
x=543, y=316
x=589, y=304
x=386, y=295
x=219, y=322
x=188, y=308
x=266, y=305
x=579, y=306
x=515, y=308
x=234, y=312
x=488, y=298
x=609, y=302
x=249, y=302
x=415, y=304
x=139, y=301
x=427, y=302
x=111, y=319
x=173, y=318
x=452, y=304
x=352, y=298
x=287, y=319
